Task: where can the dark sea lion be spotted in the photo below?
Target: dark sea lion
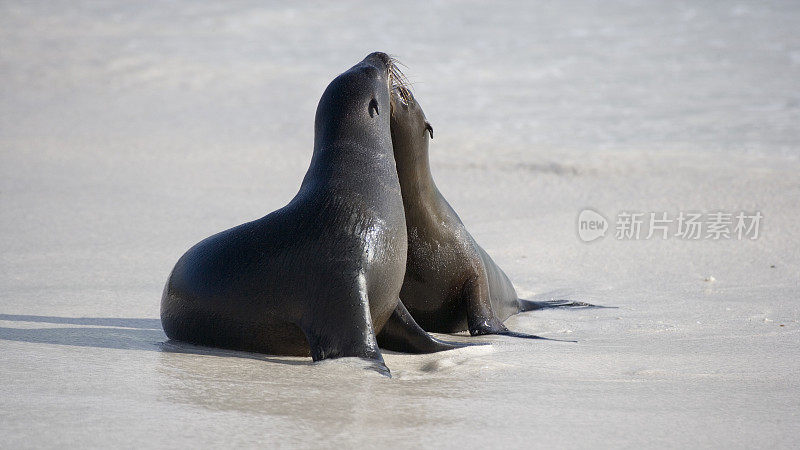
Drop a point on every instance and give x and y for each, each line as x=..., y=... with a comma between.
x=451, y=284
x=320, y=276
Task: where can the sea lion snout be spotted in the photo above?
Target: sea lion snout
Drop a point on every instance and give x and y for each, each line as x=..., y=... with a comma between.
x=380, y=61
x=383, y=57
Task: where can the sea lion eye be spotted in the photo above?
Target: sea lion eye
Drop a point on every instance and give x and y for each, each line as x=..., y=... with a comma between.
x=429, y=128
x=373, y=104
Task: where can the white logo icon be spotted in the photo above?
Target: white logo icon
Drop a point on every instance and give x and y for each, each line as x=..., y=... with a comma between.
x=591, y=225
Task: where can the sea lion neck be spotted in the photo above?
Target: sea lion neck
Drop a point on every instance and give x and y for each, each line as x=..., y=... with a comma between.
x=414, y=172
x=352, y=134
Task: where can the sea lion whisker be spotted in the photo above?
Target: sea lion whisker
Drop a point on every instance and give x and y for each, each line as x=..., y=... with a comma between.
x=398, y=79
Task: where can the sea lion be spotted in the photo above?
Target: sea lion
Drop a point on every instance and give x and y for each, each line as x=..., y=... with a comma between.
x=320, y=276
x=451, y=284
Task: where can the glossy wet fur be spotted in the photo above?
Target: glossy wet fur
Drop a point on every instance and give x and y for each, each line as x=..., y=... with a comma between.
x=320, y=276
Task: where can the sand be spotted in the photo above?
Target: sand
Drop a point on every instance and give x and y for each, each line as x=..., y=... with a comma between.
x=130, y=132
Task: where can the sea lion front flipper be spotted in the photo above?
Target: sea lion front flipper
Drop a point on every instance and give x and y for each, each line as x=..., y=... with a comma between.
x=501, y=330
x=532, y=305
x=402, y=334
x=345, y=330
x=480, y=317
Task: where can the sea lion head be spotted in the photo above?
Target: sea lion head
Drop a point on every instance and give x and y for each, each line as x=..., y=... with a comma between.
x=411, y=131
x=357, y=102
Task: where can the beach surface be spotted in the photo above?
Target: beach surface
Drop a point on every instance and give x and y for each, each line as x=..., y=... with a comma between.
x=130, y=132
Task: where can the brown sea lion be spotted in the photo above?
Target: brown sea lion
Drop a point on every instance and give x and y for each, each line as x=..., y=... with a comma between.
x=320, y=276
x=451, y=284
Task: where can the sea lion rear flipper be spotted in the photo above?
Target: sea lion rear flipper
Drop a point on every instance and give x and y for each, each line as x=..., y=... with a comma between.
x=402, y=333
x=531, y=305
x=529, y=336
x=345, y=331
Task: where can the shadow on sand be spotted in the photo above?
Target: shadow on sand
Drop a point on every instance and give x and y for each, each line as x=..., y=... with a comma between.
x=116, y=333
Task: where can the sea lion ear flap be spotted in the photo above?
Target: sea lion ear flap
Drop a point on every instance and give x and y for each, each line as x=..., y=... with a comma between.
x=373, y=104
x=429, y=128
